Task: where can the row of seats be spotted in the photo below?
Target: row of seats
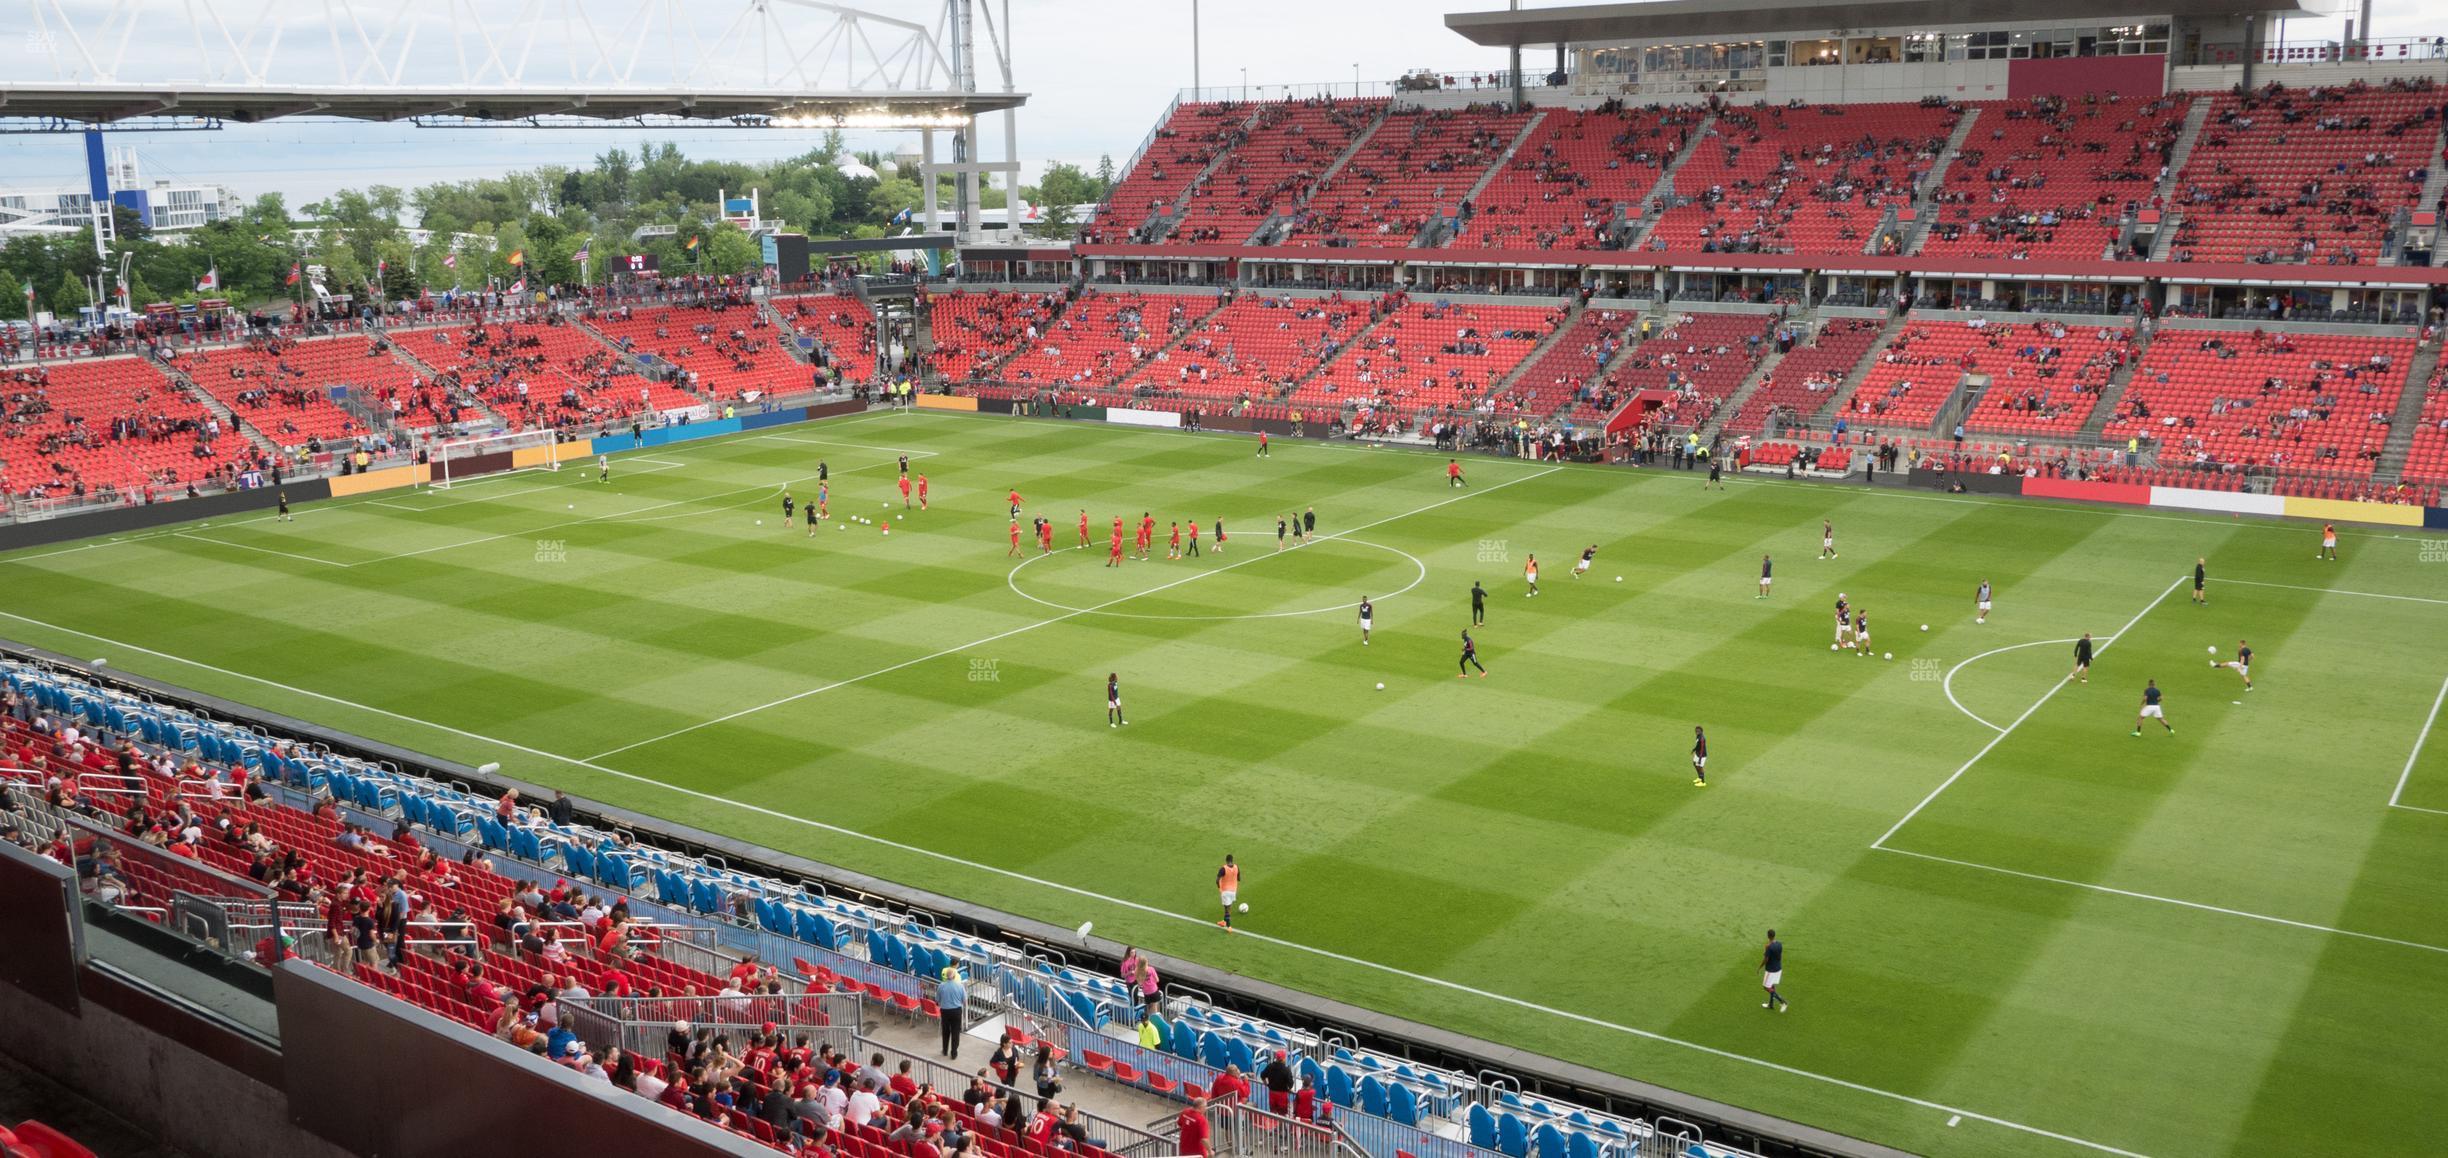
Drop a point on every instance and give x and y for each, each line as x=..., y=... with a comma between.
x=975, y=332
x=2054, y=369
x=284, y=388
x=1192, y=135
x=2427, y=461
x=2300, y=402
x=1426, y=353
x=841, y=325
x=1568, y=374
x=1702, y=358
x=2053, y=391
x=1102, y=337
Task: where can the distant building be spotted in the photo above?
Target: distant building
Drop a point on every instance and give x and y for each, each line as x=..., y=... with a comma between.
x=164, y=206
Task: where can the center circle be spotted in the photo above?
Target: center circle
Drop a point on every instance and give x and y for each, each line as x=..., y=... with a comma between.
x=1195, y=578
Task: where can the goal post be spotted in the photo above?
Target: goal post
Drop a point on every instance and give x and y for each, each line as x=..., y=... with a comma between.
x=460, y=460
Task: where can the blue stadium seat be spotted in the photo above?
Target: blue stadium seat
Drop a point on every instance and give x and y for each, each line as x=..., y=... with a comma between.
x=1339, y=1091
x=1511, y=1138
x=1372, y=1096
x=1481, y=1124
x=1549, y=1140
x=1402, y=1105
x=1582, y=1146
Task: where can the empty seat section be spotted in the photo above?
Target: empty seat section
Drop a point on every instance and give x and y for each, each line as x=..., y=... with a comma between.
x=1563, y=188
x=726, y=350
x=1256, y=347
x=1418, y=163
x=1191, y=137
x=1800, y=178
x=1430, y=354
x=1270, y=166
x=975, y=332
x=2307, y=403
x=1099, y=338
x=2304, y=175
x=1809, y=375
x=286, y=388
x=109, y=423
x=843, y=326
x=2053, y=177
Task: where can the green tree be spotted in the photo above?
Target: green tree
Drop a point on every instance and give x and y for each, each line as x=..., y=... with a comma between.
x=728, y=250
x=12, y=295
x=69, y=296
x=1062, y=188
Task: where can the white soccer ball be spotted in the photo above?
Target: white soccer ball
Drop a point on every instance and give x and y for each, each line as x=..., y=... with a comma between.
x=884, y=504
x=2214, y=649
x=1619, y=578
x=1245, y=906
x=1831, y=647
x=1889, y=655
x=760, y=522
x=573, y=506
x=1381, y=687
x=1925, y=627
x=888, y=530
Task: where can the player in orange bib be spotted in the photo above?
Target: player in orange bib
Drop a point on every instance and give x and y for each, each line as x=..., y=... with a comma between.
x=1530, y=574
x=2328, y=541
x=1228, y=888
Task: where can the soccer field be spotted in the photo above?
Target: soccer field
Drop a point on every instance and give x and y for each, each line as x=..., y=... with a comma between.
x=2011, y=927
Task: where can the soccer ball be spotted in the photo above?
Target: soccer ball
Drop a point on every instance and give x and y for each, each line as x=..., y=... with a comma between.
x=760, y=522
x=1925, y=627
x=888, y=530
x=1381, y=687
x=1889, y=655
x=573, y=506
x=1619, y=578
x=2214, y=649
x=1831, y=647
x=1245, y=906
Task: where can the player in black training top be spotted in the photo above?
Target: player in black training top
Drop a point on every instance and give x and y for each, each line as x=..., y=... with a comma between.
x=787, y=503
x=2082, y=660
x=823, y=472
x=1772, y=973
x=2151, y=710
x=1368, y=613
x=1309, y=522
x=1478, y=604
x=1470, y=659
x=1699, y=757
x=2242, y=663
x=2201, y=575
x=282, y=497
x=1113, y=700
x=905, y=466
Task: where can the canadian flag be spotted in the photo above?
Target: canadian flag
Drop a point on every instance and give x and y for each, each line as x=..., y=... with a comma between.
x=293, y=274
x=210, y=281
x=519, y=286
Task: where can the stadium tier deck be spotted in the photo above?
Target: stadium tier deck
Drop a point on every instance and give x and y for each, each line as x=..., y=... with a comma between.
x=1572, y=175
x=2053, y=178
x=2039, y=374
x=2308, y=176
x=843, y=325
x=108, y=422
x=730, y=349
x=1256, y=347
x=1270, y=167
x=1809, y=374
x=284, y=388
x=2314, y=404
x=1811, y=178
x=1416, y=164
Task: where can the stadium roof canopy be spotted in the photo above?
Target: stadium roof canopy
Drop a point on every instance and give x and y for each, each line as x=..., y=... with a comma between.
x=107, y=101
x=1661, y=19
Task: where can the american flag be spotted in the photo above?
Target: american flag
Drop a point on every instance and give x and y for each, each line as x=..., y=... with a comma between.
x=581, y=255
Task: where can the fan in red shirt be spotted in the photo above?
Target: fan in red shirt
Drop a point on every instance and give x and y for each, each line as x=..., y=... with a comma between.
x=1230, y=1086
x=1194, y=1129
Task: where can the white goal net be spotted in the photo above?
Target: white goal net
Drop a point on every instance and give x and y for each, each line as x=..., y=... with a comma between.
x=462, y=459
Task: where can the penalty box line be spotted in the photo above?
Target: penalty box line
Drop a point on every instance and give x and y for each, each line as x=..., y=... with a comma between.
x=1047, y=622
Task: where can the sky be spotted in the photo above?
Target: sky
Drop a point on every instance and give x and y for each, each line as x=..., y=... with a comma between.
x=1099, y=73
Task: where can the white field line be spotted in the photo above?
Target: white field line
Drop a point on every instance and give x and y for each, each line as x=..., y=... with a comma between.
x=1948, y=685
x=2335, y=591
x=261, y=550
x=1047, y=622
x=2008, y=730
x=2176, y=901
x=1134, y=906
x=2420, y=738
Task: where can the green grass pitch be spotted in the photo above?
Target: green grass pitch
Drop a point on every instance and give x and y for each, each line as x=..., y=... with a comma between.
x=2215, y=942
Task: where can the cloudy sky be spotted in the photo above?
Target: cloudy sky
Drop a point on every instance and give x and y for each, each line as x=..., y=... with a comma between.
x=1098, y=73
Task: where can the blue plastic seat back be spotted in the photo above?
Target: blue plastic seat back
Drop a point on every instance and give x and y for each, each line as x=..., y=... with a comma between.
x=1511, y=1138
x=1550, y=1141
x=1402, y=1105
x=1339, y=1089
x=1373, y=1096
x=1482, y=1126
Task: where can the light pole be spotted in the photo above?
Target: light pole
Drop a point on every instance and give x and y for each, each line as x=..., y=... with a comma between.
x=1245, y=85
x=1194, y=47
x=1355, y=80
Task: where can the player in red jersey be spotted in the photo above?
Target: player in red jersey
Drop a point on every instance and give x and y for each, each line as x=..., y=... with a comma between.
x=1453, y=473
x=1147, y=534
x=1083, y=528
x=1045, y=536
x=905, y=492
x=1194, y=538
x=1113, y=556
x=1262, y=445
x=1174, y=552
x=2328, y=549
x=922, y=492
x=1015, y=539
x=1015, y=504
